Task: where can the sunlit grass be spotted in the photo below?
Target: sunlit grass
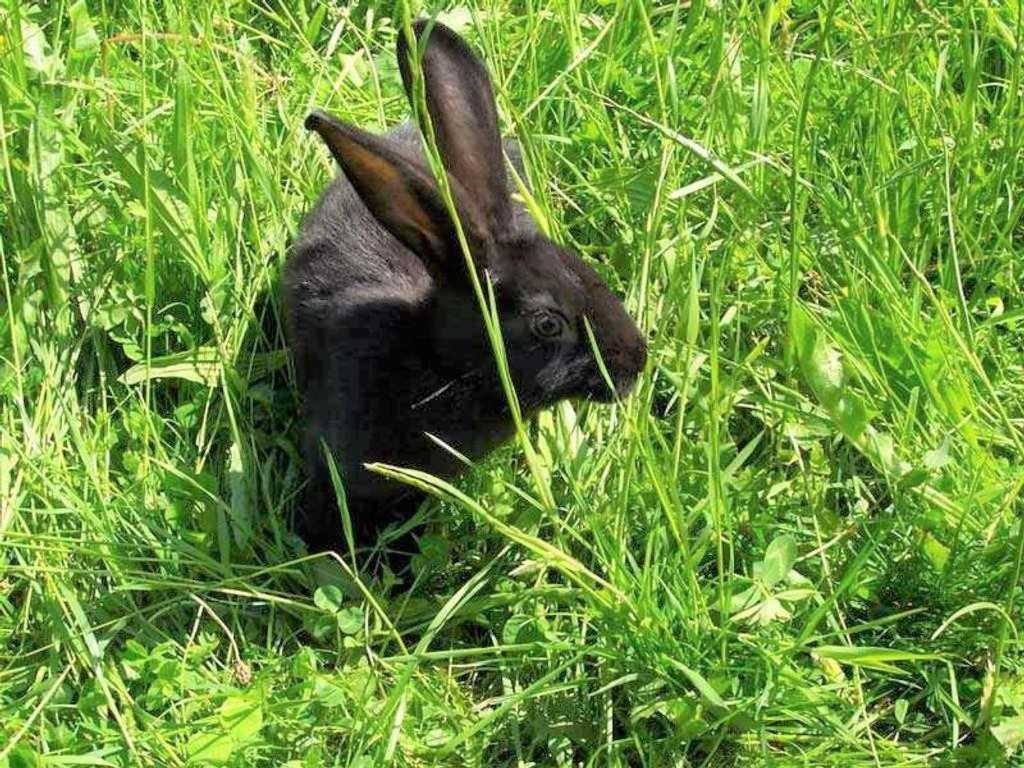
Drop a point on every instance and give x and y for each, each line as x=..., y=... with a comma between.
x=797, y=543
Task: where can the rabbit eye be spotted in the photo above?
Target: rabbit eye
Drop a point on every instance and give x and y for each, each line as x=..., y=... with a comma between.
x=547, y=325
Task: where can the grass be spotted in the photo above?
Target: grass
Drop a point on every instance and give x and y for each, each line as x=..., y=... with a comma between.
x=798, y=543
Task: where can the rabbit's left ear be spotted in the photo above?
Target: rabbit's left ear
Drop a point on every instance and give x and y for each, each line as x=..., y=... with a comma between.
x=400, y=192
x=460, y=101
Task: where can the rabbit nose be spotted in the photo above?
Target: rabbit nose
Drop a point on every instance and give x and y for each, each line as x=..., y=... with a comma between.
x=633, y=357
x=628, y=364
x=640, y=356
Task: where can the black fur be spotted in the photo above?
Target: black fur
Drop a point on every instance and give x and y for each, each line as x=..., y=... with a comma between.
x=385, y=328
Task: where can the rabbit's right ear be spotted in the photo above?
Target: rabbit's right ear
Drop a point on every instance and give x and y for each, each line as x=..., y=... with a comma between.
x=460, y=100
x=401, y=194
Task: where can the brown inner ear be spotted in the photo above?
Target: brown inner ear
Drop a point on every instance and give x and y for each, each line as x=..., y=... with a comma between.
x=397, y=192
x=392, y=191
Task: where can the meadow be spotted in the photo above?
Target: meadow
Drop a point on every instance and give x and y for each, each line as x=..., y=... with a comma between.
x=798, y=543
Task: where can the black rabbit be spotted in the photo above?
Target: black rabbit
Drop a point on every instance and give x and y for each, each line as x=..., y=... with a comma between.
x=386, y=331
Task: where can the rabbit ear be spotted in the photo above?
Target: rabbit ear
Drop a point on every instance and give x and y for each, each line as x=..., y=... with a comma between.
x=400, y=193
x=460, y=101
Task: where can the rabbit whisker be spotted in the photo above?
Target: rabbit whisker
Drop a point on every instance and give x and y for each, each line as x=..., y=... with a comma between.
x=441, y=390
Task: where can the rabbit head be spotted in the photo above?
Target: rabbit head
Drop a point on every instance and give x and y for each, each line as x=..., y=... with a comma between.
x=545, y=294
